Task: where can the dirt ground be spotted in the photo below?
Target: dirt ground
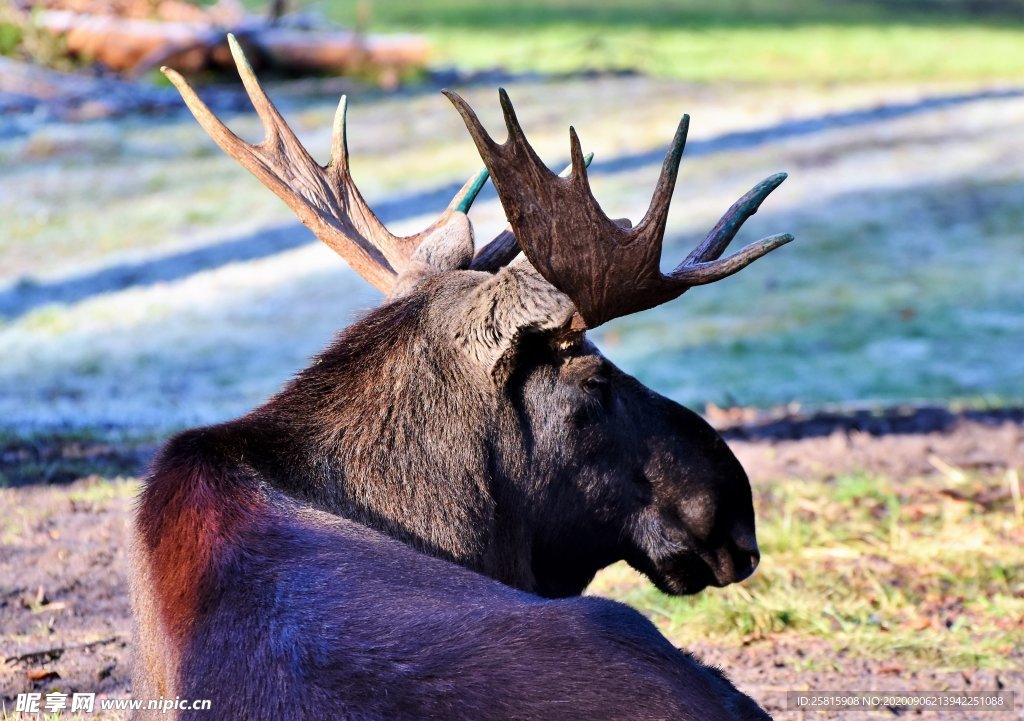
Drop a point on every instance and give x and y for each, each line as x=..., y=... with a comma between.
x=65, y=616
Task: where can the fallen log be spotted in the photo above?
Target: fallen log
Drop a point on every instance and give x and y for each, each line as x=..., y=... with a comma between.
x=311, y=51
x=120, y=43
x=134, y=46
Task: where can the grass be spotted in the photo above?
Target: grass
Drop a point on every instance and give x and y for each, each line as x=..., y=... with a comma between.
x=895, y=321
x=871, y=567
x=42, y=717
x=818, y=53
x=698, y=40
x=99, y=490
x=22, y=39
x=68, y=454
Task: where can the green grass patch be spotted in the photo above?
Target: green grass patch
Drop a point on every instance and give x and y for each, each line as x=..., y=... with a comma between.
x=100, y=490
x=702, y=41
x=871, y=566
x=818, y=53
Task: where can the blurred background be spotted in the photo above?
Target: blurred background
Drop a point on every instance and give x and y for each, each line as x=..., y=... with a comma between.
x=148, y=283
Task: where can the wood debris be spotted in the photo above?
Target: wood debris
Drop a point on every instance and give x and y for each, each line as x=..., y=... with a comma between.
x=133, y=37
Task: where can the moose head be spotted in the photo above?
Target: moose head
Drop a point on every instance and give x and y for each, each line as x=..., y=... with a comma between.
x=469, y=415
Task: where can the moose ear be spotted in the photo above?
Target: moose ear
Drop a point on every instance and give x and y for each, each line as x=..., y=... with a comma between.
x=514, y=301
x=448, y=247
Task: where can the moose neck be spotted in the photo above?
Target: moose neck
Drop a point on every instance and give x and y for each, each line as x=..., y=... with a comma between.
x=381, y=429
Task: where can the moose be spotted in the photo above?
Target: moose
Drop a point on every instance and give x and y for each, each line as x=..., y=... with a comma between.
x=398, y=533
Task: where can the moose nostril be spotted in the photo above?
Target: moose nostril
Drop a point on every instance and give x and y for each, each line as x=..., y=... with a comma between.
x=745, y=555
x=744, y=564
x=746, y=542
x=755, y=557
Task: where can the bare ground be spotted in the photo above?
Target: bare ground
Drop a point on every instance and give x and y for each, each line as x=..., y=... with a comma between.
x=65, y=614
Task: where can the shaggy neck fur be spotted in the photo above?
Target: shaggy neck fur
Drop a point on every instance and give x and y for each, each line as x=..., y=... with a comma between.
x=385, y=428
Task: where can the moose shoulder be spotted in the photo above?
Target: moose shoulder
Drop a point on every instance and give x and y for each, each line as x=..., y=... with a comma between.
x=470, y=418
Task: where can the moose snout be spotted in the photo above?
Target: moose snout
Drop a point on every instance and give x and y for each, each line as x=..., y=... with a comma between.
x=744, y=554
x=737, y=558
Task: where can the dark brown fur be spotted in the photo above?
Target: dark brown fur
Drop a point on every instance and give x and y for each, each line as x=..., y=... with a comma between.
x=460, y=420
x=278, y=611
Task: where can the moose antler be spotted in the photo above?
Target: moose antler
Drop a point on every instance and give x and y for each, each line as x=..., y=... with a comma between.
x=504, y=248
x=607, y=268
x=324, y=198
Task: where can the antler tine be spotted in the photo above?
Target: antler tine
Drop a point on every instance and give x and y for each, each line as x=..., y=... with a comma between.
x=656, y=216
x=719, y=237
x=607, y=268
x=688, y=275
x=484, y=142
x=465, y=197
x=702, y=265
x=515, y=147
x=218, y=131
x=274, y=126
x=578, y=164
x=339, y=139
x=325, y=199
x=517, y=138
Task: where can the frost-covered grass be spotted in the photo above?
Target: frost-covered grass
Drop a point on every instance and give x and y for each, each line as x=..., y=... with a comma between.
x=904, y=282
x=922, y=302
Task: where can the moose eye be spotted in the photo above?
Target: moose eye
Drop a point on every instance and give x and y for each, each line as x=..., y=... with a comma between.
x=597, y=387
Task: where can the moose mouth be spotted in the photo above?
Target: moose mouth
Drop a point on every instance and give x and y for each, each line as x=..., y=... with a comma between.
x=690, y=572
x=682, y=574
